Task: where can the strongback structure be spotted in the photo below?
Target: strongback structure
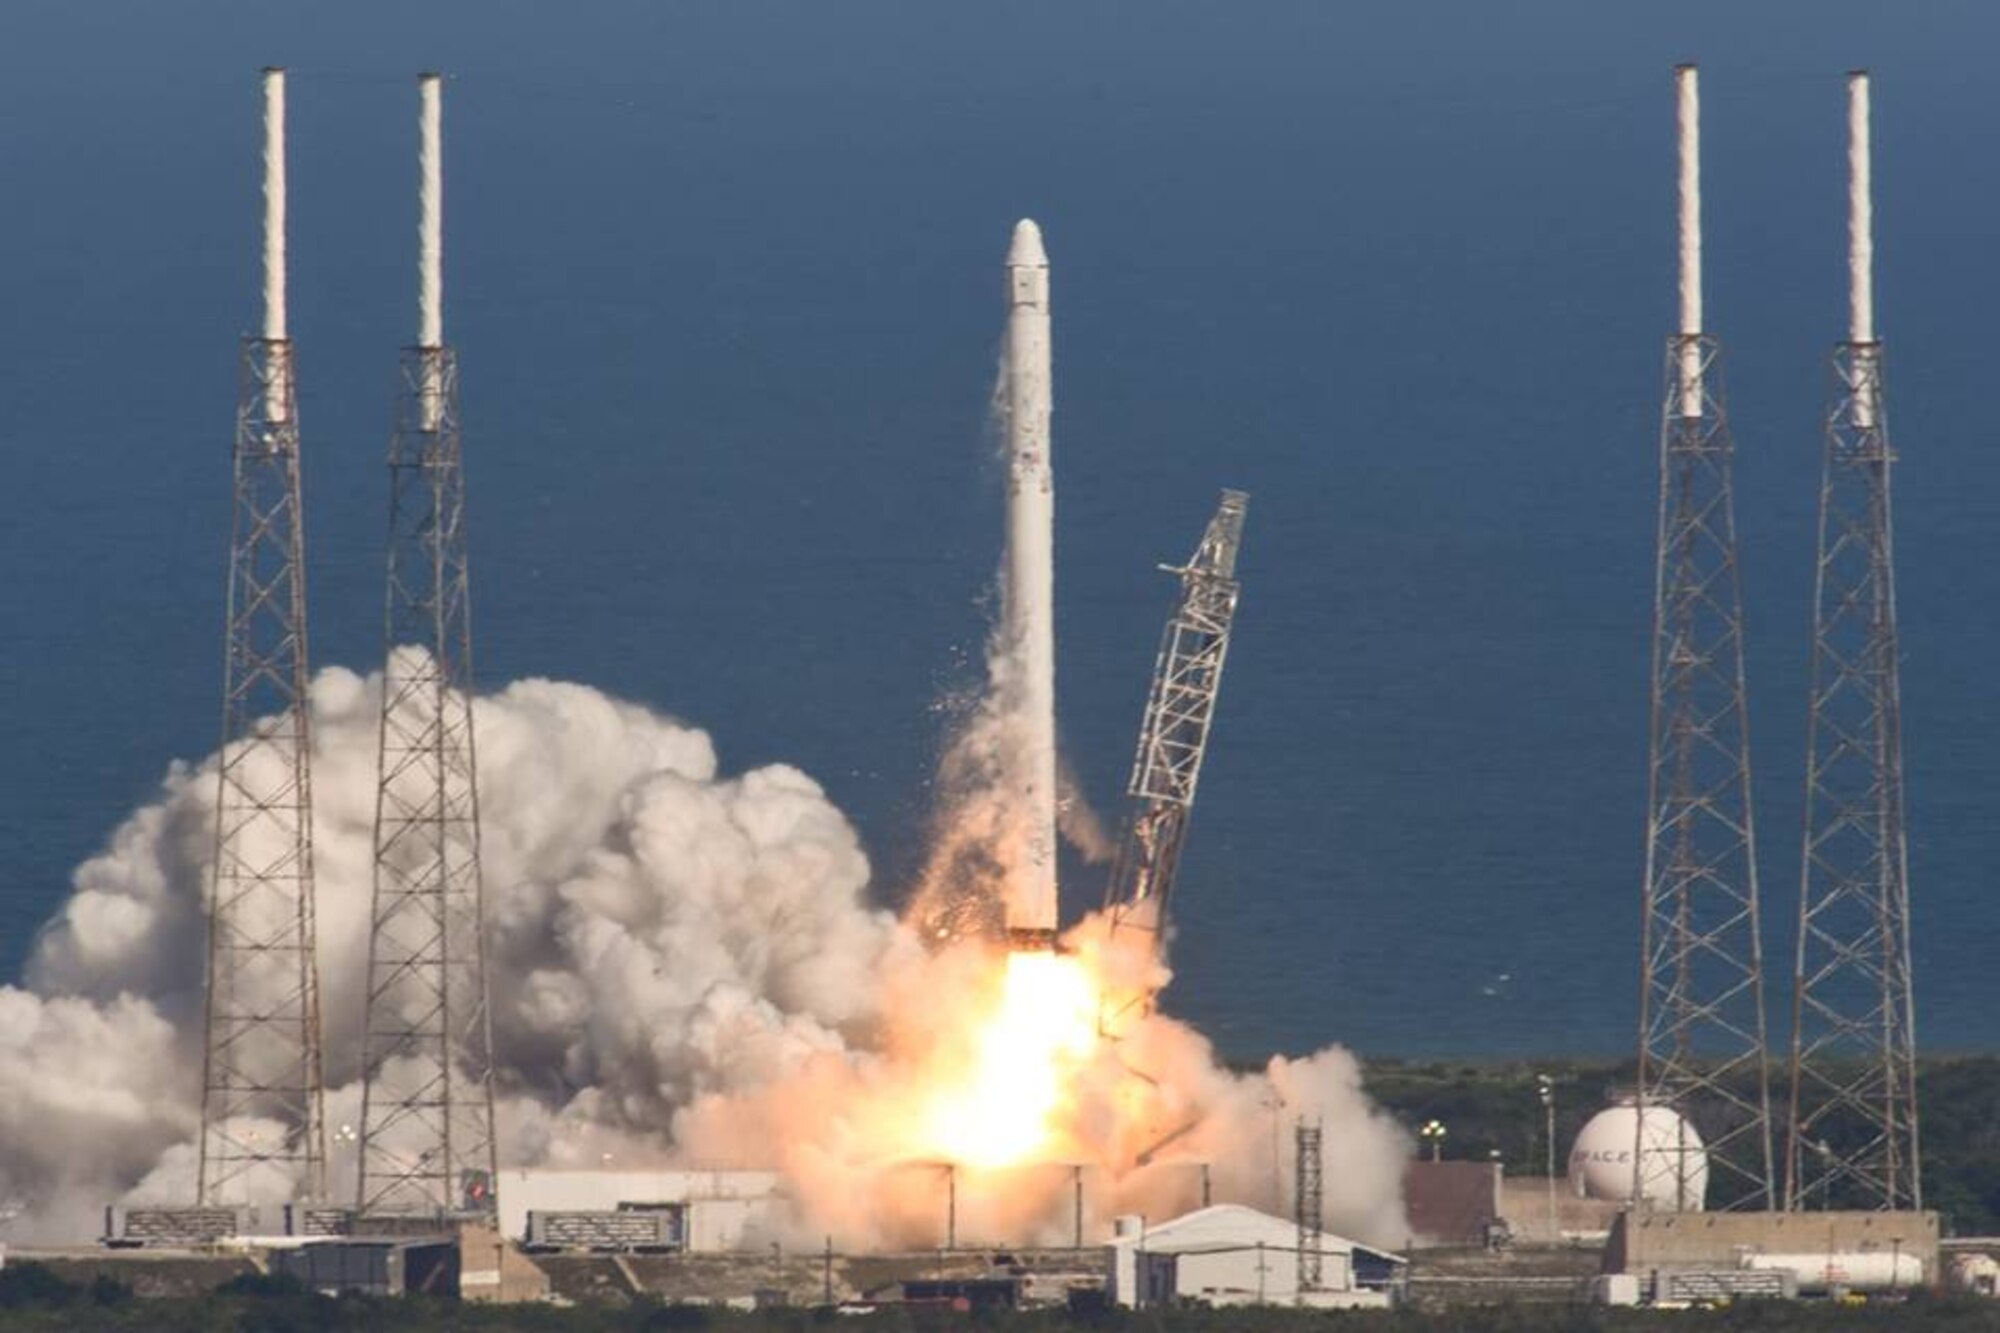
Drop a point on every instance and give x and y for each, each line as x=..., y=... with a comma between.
x=426, y=1138
x=1702, y=1050
x=261, y=1053
x=1173, y=740
x=1852, y=1140
x=1173, y=734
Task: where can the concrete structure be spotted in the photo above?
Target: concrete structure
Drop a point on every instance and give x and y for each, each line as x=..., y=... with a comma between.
x=492, y=1270
x=373, y=1266
x=1524, y=1206
x=1452, y=1203
x=722, y=1210
x=1902, y=1246
x=1231, y=1255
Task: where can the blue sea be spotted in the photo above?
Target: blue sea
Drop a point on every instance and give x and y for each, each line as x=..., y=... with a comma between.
x=725, y=281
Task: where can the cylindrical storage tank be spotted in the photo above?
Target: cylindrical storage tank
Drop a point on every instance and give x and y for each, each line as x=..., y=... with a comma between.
x=1977, y=1274
x=1854, y=1270
x=1674, y=1175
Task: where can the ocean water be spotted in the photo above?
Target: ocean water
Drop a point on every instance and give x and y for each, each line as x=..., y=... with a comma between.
x=725, y=281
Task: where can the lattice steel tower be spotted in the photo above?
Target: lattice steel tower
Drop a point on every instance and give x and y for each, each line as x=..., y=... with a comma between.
x=261, y=1053
x=1702, y=1050
x=1173, y=740
x=1853, y=1112
x=1308, y=1202
x=1173, y=735
x=426, y=1141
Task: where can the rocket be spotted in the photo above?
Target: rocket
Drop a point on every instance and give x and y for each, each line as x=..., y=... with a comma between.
x=1029, y=598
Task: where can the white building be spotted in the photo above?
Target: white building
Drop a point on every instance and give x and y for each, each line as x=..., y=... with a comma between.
x=718, y=1210
x=1231, y=1255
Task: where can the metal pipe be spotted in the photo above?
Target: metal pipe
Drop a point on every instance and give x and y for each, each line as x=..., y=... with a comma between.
x=1860, y=250
x=1079, y=1206
x=1687, y=120
x=274, y=204
x=430, y=212
x=430, y=249
x=277, y=389
x=1860, y=214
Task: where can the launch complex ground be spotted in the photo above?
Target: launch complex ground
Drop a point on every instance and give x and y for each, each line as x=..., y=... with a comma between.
x=1064, y=1105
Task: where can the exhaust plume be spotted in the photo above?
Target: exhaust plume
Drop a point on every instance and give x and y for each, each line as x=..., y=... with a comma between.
x=687, y=970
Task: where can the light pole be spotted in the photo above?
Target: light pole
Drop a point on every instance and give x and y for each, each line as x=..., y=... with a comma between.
x=1546, y=1087
x=1433, y=1133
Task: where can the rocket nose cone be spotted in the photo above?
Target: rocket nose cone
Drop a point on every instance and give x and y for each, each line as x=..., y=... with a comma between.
x=1026, y=251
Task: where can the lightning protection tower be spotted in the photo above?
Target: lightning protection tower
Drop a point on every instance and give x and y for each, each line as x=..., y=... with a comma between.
x=426, y=1140
x=1702, y=1054
x=1852, y=1140
x=261, y=1050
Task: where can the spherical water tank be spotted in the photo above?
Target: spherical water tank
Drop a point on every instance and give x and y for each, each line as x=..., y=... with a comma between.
x=1674, y=1173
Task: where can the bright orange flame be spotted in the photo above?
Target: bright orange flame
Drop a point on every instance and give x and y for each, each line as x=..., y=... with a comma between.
x=1004, y=1110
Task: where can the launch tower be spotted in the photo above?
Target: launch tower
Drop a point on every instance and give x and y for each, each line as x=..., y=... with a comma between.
x=1702, y=1049
x=1173, y=735
x=261, y=1049
x=1852, y=1140
x=426, y=1139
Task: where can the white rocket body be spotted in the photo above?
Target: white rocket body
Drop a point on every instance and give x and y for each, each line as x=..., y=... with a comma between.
x=1029, y=624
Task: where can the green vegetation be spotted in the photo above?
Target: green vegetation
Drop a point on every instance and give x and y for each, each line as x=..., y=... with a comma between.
x=1495, y=1108
x=34, y=1300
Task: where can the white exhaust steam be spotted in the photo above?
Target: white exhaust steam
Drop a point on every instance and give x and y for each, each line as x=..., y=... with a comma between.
x=687, y=968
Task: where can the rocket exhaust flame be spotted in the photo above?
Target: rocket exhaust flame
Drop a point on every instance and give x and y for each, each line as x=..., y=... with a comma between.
x=1001, y=1108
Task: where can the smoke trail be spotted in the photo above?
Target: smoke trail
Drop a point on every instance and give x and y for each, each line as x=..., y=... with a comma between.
x=686, y=968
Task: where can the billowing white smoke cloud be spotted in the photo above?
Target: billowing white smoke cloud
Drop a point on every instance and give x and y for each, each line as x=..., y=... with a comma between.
x=685, y=966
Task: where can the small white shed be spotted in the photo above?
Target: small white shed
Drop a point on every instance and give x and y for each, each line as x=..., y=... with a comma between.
x=1231, y=1255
